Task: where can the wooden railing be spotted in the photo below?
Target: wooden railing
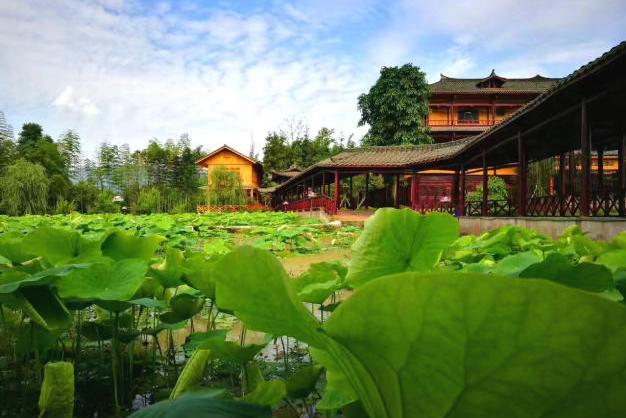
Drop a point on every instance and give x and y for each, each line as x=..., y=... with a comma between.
x=254, y=207
x=494, y=208
x=320, y=202
x=470, y=122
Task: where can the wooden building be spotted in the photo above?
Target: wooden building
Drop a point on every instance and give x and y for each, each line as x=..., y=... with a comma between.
x=249, y=170
x=281, y=176
x=576, y=126
x=461, y=107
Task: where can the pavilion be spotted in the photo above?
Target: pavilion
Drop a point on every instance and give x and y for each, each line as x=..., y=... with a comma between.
x=574, y=126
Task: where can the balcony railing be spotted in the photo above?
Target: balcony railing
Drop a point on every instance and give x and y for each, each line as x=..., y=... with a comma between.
x=466, y=122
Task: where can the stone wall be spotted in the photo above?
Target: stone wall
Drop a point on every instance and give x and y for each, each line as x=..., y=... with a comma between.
x=598, y=228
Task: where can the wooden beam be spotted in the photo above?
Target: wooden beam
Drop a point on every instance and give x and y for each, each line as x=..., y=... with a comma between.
x=455, y=191
x=522, y=176
x=585, y=148
x=396, y=190
x=621, y=173
x=367, y=188
x=336, y=199
x=461, y=207
x=415, y=191
x=485, y=207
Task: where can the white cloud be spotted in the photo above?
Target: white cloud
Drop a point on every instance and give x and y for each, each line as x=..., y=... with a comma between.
x=69, y=100
x=124, y=71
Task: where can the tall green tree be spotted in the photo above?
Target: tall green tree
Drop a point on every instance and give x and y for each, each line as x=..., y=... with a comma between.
x=69, y=147
x=395, y=107
x=24, y=189
x=38, y=148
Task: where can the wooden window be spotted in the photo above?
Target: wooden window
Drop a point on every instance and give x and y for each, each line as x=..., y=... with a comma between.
x=468, y=115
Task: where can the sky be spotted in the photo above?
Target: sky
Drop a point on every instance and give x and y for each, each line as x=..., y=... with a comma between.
x=228, y=72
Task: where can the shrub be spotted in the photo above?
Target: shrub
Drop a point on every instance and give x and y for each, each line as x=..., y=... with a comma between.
x=496, y=188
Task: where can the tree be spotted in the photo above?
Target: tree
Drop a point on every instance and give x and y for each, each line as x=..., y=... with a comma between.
x=225, y=188
x=496, y=188
x=24, y=189
x=396, y=107
x=276, y=152
x=6, y=130
x=38, y=148
x=69, y=147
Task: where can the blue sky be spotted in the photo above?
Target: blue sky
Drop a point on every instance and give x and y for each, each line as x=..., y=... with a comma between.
x=127, y=71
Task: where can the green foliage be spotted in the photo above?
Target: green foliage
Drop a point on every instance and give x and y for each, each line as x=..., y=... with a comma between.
x=395, y=107
x=394, y=241
x=496, y=188
x=225, y=188
x=202, y=406
x=57, y=391
x=192, y=373
x=24, y=189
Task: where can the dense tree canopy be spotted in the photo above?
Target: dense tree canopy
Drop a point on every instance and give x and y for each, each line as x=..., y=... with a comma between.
x=24, y=189
x=395, y=107
x=287, y=148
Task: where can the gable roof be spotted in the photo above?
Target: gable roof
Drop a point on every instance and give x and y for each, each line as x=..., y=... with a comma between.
x=536, y=84
x=226, y=147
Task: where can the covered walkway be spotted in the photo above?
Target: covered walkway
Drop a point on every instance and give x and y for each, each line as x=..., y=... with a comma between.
x=556, y=147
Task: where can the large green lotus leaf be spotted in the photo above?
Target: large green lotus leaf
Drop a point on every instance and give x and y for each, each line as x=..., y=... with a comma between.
x=513, y=264
x=338, y=390
x=170, y=270
x=253, y=283
x=12, y=248
x=106, y=280
x=36, y=339
x=200, y=406
x=120, y=245
x=4, y=260
x=613, y=260
x=268, y=393
x=58, y=245
x=43, y=306
x=199, y=274
x=11, y=280
x=231, y=351
x=398, y=240
x=196, y=340
x=303, y=382
x=316, y=284
x=461, y=345
x=183, y=307
x=192, y=373
x=56, y=399
x=586, y=276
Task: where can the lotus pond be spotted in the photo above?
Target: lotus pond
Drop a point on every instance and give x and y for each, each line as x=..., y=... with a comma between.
x=199, y=316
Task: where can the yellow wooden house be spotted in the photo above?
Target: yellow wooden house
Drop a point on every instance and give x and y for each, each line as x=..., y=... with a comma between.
x=250, y=171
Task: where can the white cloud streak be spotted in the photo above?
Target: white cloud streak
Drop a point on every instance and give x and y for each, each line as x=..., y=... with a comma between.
x=126, y=71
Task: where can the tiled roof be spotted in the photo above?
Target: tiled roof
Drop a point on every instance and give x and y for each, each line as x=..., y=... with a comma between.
x=536, y=84
x=420, y=155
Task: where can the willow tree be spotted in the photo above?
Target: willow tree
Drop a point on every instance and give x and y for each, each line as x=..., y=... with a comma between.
x=24, y=189
x=225, y=188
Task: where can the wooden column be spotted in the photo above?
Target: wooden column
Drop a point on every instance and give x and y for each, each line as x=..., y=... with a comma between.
x=336, y=199
x=323, y=182
x=621, y=173
x=461, y=207
x=585, y=148
x=415, y=185
x=485, y=208
x=563, y=185
x=351, y=195
x=600, y=152
x=396, y=187
x=367, y=189
x=455, y=191
x=522, y=176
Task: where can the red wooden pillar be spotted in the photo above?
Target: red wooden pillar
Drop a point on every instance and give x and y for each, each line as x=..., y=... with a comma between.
x=455, y=191
x=621, y=173
x=415, y=185
x=461, y=207
x=396, y=191
x=336, y=200
x=522, y=176
x=323, y=183
x=600, y=171
x=366, y=202
x=350, y=199
x=585, y=148
x=485, y=207
x=563, y=185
